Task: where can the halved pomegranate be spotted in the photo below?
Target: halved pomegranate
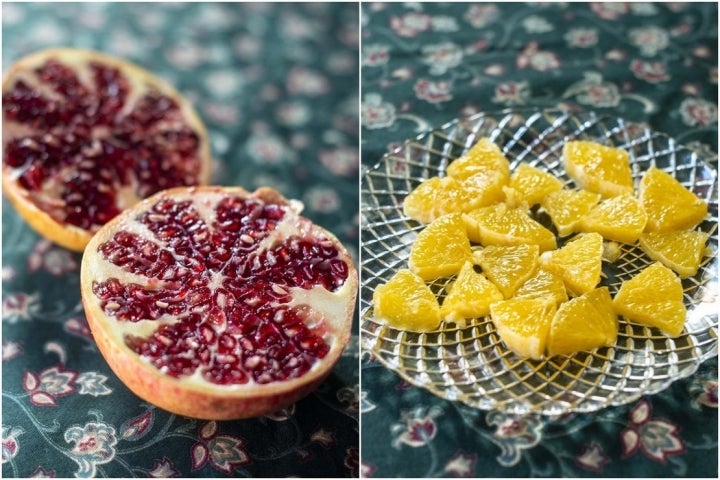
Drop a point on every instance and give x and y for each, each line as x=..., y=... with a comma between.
x=86, y=135
x=217, y=303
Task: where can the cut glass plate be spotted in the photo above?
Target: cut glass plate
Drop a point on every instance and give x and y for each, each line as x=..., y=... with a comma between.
x=471, y=364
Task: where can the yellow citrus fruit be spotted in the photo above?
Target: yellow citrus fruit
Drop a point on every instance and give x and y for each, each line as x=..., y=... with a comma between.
x=578, y=262
x=653, y=297
x=441, y=249
x=682, y=251
x=470, y=296
x=508, y=266
x=485, y=188
x=598, y=168
x=621, y=218
x=482, y=157
x=523, y=324
x=583, y=323
x=435, y=197
x=567, y=207
x=529, y=185
x=669, y=205
x=501, y=224
x=406, y=302
x=543, y=284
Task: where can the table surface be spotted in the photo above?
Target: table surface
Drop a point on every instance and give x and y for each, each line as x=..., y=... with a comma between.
x=277, y=87
x=423, y=65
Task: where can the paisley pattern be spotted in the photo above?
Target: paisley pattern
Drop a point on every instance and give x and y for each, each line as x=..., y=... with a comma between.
x=425, y=64
x=277, y=86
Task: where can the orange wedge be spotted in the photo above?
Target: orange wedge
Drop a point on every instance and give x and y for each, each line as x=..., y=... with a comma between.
x=503, y=225
x=523, y=324
x=621, y=218
x=482, y=157
x=567, y=207
x=597, y=168
x=406, y=302
x=543, y=284
x=669, y=205
x=470, y=296
x=682, y=251
x=529, y=185
x=509, y=266
x=578, y=262
x=441, y=249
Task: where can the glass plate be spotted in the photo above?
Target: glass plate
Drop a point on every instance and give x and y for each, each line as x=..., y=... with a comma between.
x=471, y=364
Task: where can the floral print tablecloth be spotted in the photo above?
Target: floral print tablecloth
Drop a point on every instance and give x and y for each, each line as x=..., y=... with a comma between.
x=425, y=64
x=277, y=86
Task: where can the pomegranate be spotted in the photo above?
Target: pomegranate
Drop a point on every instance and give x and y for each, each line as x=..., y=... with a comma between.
x=216, y=303
x=86, y=135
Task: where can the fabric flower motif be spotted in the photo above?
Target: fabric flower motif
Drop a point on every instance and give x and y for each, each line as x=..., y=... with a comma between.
x=44, y=388
x=323, y=437
x=163, y=468
x=376, y=113
x=366, y=405
x=537, y=24
x=341, y=161
x=592, y=458
x=512, y=93
x=137, y=427
x=709, y=397
x=433, y=92
x=698, y=112
x=40, y=472
x=223, y=452
x=47, y=256
x=593, y=90
x=417, y=428
x=367, y=470
x=322, y=199
x=10, y=350
x=410, y=24
x=94, y=444
x=540, y=60
x=375, y=55
x=92, y=383
x=582, y=37
x=513, y=435
x=652, y=72
x=349, y=395
x=649, y=39
x=352, y=461
x=442, y=57
x=20, y=306
x=304, y=81
x=268, y=149
x=609, y=10
x=481, y=15
x=657, y=439
x=461, y=465
x=10, y=445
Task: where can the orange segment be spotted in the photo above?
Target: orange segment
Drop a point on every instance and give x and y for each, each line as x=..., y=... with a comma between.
x=653, y=297
x=669, y=205
x=682, y=251
x=482, y=157
x=523, y=324
x=621, y=218
x=503, y=225
x=433, y=198
x=543, y=284
x=484, y=189
x=567, y=207
x=406, y=302
x=583, y=323
x=600, y=169
x=529, y=185
x=470, y=296
x=508, y=267
x=441, y=249
x=579, y=262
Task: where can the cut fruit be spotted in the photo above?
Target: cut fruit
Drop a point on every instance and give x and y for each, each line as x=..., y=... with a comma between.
x=578, y=262
x=470, y=296
x=503, y=225
x=441, y=249
x=597, y=168
x=543, y=284
x=86, y=135
x=669, y=205
x=434, y=198
x=653, y=297
x=523, y=324
x=216, y=303
x=484, y=156
x=583, y=323
x=621, y=218
x=406, y=302
x=567, y=207
x=484, y=189
x=682, y=251
x=508, y=267
x=529, y=185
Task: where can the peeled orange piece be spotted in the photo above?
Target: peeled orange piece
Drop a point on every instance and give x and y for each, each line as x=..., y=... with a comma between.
x=583, y=323
x=508, y=266
x=406, y=302
x=470, y=296
x=598, y=168
x=523, y=324
x=484, y=189
x=621, y=218
x=566, y=208
x=529, y=185
x=578, y=262
x=441, y=249
x=543, y=284
x=653, y=297
x=669, y=205
x=435, y=197
x=682, y=251
x=482, y=157
x=503, y=225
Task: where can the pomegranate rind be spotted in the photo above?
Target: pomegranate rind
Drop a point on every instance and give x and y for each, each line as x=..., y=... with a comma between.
x=193, y=396
x=64, y=234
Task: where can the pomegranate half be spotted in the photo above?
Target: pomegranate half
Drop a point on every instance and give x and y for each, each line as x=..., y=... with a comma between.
x=218, y=303
x=86, y=135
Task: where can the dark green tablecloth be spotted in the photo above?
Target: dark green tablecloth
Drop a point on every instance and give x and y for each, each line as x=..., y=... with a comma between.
x=425, y=64
x=277, y=86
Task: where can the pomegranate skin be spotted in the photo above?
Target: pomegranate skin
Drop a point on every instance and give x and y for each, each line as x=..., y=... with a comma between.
x=204, y=400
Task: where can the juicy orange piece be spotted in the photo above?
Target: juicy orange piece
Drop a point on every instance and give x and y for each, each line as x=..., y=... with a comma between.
x=567, y=207
x=470, y=296
x=578, y=262
x=653, y=297
x=406, y=302
x=484, y=189
x=597, y=168
x=529, y=185
x=523, y=324
x=482, y=157
x=669, y=205
x=435, y=197
x=621, y=218
x=503, y=225
x=508, y=266
x=682, y=251
x=441, y=249
x=543, y=284
x=583, y=323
